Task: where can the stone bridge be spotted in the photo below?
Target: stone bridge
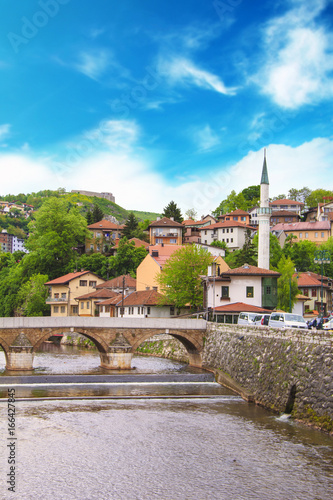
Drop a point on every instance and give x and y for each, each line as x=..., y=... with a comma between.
x=115, y=338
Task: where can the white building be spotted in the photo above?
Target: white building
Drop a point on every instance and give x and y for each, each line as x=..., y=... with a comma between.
x=233, y=233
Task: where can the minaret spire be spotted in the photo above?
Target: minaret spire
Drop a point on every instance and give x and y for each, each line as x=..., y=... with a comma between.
x=264, y=214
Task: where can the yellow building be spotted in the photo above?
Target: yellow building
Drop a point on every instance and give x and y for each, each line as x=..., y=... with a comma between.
x=88, y=302
x=103, y=235
x=152, y=265
x=65, y=290
x=165, y=231
x=318, y=232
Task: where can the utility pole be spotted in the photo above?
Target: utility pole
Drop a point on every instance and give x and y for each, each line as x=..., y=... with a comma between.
x=122, y=297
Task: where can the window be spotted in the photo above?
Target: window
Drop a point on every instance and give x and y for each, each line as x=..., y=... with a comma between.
x=93, y=283
x=223, y=230
x=227, y=240
x=138, y=310
x=316, y=235
x=122, y=310
x=56, y=309
x=88, y=305
x=82, y=305
x=249, y=291
x=62, y=309
x=63, y=295
x=205, y=233
x=56, y=295
x=83, y=283
x=314, y=292
x=306, y=292
x=306, y=235
x=172, y=310
x=155, y=288
x=231, y=230
x=231, y=240
x=227, y=230
x=243, y=218
x=142, y=310
x=173, y=240
x=268, y=290
x=148, y=310
x=75, y=309
x=235, y=218
x=159, y=240
x=224, y=292
x=300, y=235
x=322, y=235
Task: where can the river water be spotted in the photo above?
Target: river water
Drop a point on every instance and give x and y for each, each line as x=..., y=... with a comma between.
x=163, y=431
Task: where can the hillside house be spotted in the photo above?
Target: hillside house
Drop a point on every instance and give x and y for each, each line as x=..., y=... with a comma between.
x=102, y=236
x=165, y=231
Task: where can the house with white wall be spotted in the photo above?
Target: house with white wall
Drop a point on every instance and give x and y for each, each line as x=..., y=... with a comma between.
x=233, y=233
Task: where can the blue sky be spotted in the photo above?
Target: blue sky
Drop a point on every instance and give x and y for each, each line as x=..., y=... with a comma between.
x=157, y=101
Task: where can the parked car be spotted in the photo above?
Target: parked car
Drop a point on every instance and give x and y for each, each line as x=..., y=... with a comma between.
x=316, y=323
x=246, y=318
x=287, y=320
x=328, y=325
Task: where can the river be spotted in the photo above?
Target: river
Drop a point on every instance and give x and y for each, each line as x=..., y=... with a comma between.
x=160, y=431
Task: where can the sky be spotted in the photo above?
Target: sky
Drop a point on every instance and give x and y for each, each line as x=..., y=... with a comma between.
x=157, y=101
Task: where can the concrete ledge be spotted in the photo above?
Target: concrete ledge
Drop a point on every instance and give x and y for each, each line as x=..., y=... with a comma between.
x=225, y=380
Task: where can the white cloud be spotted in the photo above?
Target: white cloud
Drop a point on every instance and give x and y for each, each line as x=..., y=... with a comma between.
x=4, y=131
x=93, y=64
x=131, y=178
x=205, y=138
x=183, y=71
x=299, y=60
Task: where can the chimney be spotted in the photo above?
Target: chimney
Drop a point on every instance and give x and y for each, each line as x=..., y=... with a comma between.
x=172, y=218
x=158, y=218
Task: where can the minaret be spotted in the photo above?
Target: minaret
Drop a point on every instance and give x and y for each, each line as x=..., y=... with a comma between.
x=264, y=214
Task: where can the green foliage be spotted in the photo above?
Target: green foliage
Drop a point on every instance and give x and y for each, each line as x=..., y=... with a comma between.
x=317, y=196
x=57, y=230
x=275, y=250
x=172, y=210
x=220, y=244
x=97, y=214
x=287, y=285
x=302, y=254
x=191, y=214
x=246, y=255
x=244, y=200
x=32, y=296
x=96, y=263
x=131, y=225
x=180, y=280
x=299, y=194
x=127, y=258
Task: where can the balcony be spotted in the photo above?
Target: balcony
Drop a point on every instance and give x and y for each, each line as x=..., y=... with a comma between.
x=52, y=300
x=165, y=235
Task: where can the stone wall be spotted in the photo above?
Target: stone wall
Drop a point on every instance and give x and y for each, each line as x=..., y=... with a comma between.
x=283, y=370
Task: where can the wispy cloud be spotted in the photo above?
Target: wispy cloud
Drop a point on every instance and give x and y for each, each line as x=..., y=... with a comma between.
x=205, y=138
x=298, y=62
x=184, y=71
x=4, y=131
x=93, y=64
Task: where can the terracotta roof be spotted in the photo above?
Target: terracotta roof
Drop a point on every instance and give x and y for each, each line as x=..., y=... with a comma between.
x=240, y=307
x=164, y=252
x=137, y=242
x=238, y=211
x=110, y=302
x=247, y=270
x=165, y=222
x=286, y=202
x=67, y=277
x=102, y=293
x=142, y=298
x=309, y=279
x=303, y=226
x=118, y=282
x=228, y=223
x=105, y=224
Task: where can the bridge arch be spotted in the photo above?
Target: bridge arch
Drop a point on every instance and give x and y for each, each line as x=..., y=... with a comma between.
x=99, y=342
x=5, y=348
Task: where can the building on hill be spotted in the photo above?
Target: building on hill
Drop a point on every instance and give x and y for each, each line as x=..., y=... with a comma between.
x=233, y=233
x=10, y=243
x=165, y=231
x=309, y=285
x=88, y=302
x=103, y=236
x=317, y=232
x=290, y=205
x=106, y=196
x=193, y=228
x=237, y=215
x=284, y=217
x=66, y=289
x=152, y=266
x=247, y=284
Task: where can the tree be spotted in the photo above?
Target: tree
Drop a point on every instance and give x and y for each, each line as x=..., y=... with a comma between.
x=317, y=196
x=97, y=214
x=287, y=285
x=131, y=226
x=246, y=255
x=96, y=263
x=275, y=250
x=32, y=296
x=89, y=218
x=180, y=279
x=302, y=255
x=172, y=210
x=57, y=230
x=191, y=214
x=299, y=194
x=127, y=258
x=252, y=195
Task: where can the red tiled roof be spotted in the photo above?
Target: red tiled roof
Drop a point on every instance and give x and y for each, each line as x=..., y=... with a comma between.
x=66, y=278
x=309, y=279
x=247, y=270
x=143, y=298
x=229, y=223
x=102, y=293
x=137, y=242
x=109, y=302
x=238, y=211
x=302, y=226
x=105, y=224
x=286, y=202
x=118, y=282
x=165, y=222
x=240, y=307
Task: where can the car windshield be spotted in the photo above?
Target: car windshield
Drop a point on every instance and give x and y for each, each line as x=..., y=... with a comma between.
x=295, y=317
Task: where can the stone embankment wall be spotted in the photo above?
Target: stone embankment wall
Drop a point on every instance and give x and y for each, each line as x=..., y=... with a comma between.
x=164, y=346
x=284, y=370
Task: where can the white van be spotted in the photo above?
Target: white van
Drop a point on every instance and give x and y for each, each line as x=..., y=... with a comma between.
x=246, y=318
x=287, y=320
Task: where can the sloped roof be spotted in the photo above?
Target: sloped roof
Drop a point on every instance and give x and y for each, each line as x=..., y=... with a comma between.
x=102, y=293
x=105, y=224
x=111, y=301
x=68, y=277
x=143, y=298
x=286, y=202
x=309, y=279
x=238, y=211
x=164, y=252
x=118, y=282
x=247, y=270
x=303, y=226
x=165, y=222
x=238, y=307
x=228, y=223
x=137, y=242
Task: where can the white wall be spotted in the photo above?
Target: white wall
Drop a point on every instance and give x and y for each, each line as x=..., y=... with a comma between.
x=237, y=291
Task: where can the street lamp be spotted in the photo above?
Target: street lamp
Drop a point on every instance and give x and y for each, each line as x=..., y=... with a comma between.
x=322, y=257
